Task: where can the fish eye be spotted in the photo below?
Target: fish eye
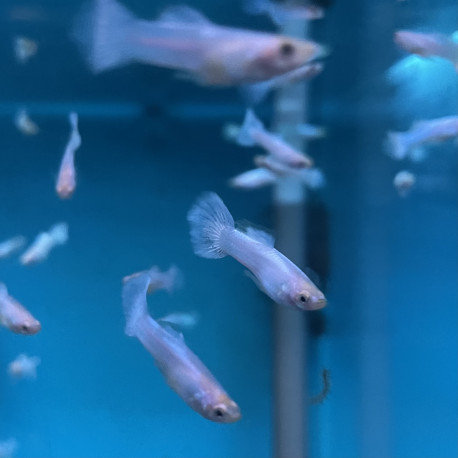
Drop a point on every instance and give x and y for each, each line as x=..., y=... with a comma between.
x=25, y=328
x=304, y=298
x=219, y=412
x=286, y=50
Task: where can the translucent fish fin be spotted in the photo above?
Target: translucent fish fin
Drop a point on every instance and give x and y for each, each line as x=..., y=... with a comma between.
x=183, y=320
x=3, y=290
x=251, y=276
x=183, y=13
x=172, y=332
x=418, y=154
x=260, y=236
x=250, y=122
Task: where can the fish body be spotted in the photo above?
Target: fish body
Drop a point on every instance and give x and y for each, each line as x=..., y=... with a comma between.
x=24, y=124
x=183, y=39
x=15, y=316
x=183, y=370
x=66, y=180
x=24, y=49
x=403, y=182
x=24, y=366
x=213, y=235
x=402, y=145
x=428, y=45
x=253, y=133
x=8, y=247
x=44, y=242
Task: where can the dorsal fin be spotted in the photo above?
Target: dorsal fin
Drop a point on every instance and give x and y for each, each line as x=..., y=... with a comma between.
x=183, y=13
x=260, y=236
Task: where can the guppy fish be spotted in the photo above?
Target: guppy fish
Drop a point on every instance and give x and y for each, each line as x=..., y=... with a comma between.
x=182, y=369
x=8, y=247
x=24, y=366
x=14, y=316
x=402, y=145
x=428, y=45
x=213, y=235
x=66, y=179
x=183, y=39
x=253, y=133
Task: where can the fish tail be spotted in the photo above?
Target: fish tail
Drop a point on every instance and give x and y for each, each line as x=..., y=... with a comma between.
x=59, y=233
x=172, y=279
x=102, y=32
x=209, y=218
x=396, y=145
x=255, y=92
x=134, y=300
x=244, y=137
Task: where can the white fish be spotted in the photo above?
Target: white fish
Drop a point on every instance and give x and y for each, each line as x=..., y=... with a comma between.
x=256, y=92
x=66, y=180
x=213, y=235
x=403, y=182
x=44, y=242
x=24, y=49
x=183, y=39
x=8, y=247
x=280, y=13
x=313, y=178
x=15, y=316
x=406, y=145
x=24, y=367
x=7, y=448
x=24, y=124
x=182, y=369
x=428, y=45
x=254, y=133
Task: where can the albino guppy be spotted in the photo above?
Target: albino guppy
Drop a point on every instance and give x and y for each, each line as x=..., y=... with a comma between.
x=24, y=366
x=253, y=133
x=66, y=179
x=403, y=145
x=14, y=316
x=8, y=247
x=428, y=45
x=403, y=182
x=182, y=369
x=44, y=242
x=184, y=39
x=213, y=235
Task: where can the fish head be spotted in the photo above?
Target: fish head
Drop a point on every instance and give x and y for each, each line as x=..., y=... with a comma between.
x=28, y=327
x=306, y=296
x=223, y=410
x=284, y=54
x=415, y=42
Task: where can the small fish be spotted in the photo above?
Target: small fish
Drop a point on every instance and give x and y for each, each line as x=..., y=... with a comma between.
x=403, y=182
x=428, y=45
x=183, y=39
x=44, y=242
x=14, y=316
x=66, y=180
x=313, y=178
x=280, y=13
x=213, y=235
x=256, y=92
x=182, y=369
x=406, y=145
x=253, y=133
x=24, y=49
x=8, y=247
x=7, y=448
x=310, y=131
x=24, y=367
x=24, y=124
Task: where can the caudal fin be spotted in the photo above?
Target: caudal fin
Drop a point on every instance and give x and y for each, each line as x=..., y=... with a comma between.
x=250, y=122
x=209, y=219
x=102, y=32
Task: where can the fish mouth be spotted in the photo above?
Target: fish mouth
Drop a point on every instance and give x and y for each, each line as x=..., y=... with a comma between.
x=317, y=304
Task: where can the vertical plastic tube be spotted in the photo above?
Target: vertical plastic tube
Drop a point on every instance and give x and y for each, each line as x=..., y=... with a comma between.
x=290, y=359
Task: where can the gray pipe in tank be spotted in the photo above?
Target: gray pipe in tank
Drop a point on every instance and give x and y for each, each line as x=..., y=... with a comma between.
x=290, y=339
